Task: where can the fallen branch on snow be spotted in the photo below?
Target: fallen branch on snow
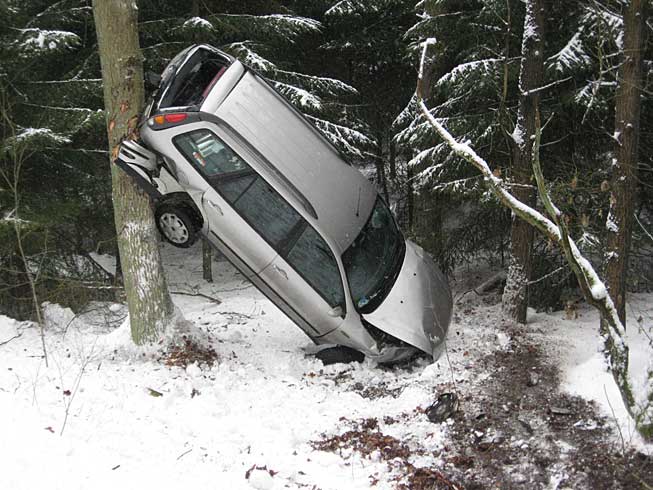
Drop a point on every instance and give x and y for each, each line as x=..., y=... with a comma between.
x=556, y=229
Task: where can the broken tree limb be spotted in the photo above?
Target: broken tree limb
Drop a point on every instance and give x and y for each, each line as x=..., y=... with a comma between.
x=593, y=288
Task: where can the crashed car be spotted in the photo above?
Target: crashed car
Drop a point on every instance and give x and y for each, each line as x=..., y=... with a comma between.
x=225, y=156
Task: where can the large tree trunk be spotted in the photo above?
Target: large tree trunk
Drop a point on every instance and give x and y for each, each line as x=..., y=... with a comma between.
x=515, y=296
x=150, y=305
x=623, y=185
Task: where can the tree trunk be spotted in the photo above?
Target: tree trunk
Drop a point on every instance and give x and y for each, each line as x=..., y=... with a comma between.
x=623, y=182
x=515, y=296
x=207, y=260
x=150, y=305
x=392, y=159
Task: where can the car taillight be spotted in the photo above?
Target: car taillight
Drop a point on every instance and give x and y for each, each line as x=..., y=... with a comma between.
x=172, y=118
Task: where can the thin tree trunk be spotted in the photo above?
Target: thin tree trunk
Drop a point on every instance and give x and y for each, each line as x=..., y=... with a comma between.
x=207, y=260
x=392, y=159
x=515, y=296
x=150, y=305
x=623, y=182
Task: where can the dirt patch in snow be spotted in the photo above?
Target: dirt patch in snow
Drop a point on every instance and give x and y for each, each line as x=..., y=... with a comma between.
x=517, y=430
x=189, y=352
x=367, y=439
x=514, y=429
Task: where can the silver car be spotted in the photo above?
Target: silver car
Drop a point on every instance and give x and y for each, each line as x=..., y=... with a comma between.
x=224, y=155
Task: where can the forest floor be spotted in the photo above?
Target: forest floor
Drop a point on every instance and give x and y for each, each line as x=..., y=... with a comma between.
x=243, y=404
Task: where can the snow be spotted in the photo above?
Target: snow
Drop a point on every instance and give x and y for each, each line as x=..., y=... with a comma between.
x=610, y=224
x=44, y=133
x=198, y=23
x=584, y=368
x=346, y=8
x=571, y=57
x=46, y=41
x=298, y=97
x=248, y=56
x=518, y=135
x=259, y=406
x=90, y=420
x=467, y=69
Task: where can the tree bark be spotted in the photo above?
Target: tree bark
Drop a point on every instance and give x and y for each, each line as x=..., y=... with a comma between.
x=150, y=305
x=515, y=296
x=623, y=182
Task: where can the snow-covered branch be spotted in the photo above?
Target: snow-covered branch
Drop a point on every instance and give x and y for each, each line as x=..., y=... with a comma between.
x=555, y=229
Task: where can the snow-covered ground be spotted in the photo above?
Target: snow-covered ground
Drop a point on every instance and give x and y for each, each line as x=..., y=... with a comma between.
x=105, y=415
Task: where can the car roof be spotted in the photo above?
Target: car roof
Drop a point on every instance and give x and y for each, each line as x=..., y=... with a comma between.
x=341, y=196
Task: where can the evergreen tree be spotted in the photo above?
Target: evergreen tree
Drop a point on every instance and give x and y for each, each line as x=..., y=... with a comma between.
x=50, y=68
x=470, y=83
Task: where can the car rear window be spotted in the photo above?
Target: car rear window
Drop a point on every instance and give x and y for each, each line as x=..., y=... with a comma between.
x=189, y=85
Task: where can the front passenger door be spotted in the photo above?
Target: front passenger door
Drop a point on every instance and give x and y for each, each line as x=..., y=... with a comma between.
x=307, y=276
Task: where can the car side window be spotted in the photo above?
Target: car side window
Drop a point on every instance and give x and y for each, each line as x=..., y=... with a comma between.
x=266, y=211
x=209, y=154
x=313, y=259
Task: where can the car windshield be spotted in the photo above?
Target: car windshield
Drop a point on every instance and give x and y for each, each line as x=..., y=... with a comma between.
x=372, y=262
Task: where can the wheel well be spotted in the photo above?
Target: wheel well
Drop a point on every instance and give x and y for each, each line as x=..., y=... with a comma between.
x=183, y=199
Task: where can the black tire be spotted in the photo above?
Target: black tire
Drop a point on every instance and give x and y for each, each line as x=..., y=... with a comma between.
x=176, y=224
x=339, y=353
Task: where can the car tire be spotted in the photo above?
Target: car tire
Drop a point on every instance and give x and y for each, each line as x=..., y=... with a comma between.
x=339, y=353
x=176, y=225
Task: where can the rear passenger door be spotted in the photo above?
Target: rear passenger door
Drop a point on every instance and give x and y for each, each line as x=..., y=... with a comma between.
x=229, y=177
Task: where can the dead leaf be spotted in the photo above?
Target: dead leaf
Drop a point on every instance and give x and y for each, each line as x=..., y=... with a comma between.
x=48, y=428
x=114, y=152
x=154, y=393
x=67, y=392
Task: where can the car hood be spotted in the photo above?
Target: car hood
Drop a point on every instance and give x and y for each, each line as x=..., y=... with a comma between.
x=418, y=308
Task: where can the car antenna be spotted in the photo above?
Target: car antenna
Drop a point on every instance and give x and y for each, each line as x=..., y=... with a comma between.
x=358, y=206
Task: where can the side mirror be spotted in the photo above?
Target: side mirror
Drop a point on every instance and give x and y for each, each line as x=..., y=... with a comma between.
x=336, y=312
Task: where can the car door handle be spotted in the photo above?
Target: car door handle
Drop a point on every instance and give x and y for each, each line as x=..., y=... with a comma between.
x=280, y=271
x=215, y=206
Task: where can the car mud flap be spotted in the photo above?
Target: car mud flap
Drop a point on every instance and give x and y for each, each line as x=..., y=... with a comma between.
x=140, y=177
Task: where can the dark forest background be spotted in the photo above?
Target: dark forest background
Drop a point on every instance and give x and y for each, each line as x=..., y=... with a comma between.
x=351, y=66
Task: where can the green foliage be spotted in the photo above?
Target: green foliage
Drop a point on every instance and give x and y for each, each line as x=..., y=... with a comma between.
x=50, y=76
x=270, y=38
x=472, y=83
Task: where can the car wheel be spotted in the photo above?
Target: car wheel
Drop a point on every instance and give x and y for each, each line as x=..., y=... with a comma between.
x=339, y=353
x=176, y=225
